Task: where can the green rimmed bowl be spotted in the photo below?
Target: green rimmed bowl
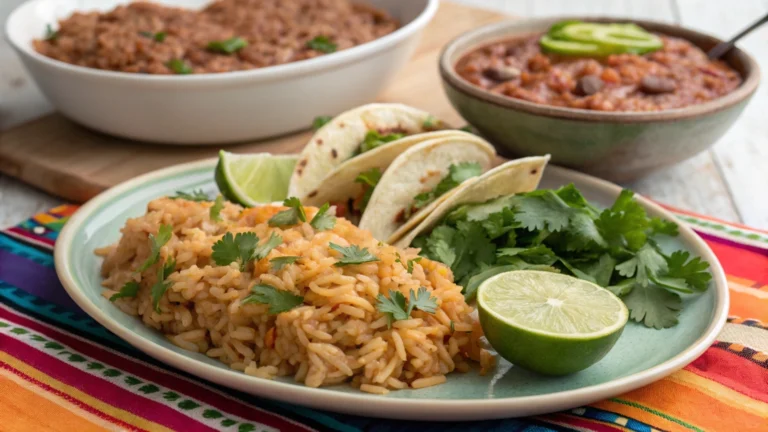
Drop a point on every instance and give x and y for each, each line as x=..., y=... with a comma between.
x=640, y=356
x=619, y=146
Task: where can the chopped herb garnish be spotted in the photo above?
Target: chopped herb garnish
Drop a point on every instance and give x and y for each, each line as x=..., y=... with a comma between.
x=374, y=139
x=397, y=308
x=238, y=248
x=157, y=37
x=320, y=121
x=322, y=44
x=352, y=255
x=408, y=265
x=323, y=220
x=161, y=285
x=560, y=231
x=369, y=179
x=430, y=122
x=456, y=175
x=261, y=251
x=156, y=242
x=228, y=46
x=292, y=216
x=279, y=262
x=469, y=129
x=130, y=289
x=179, y=67
x=196, y=195
x=453, y=328
x=50, y=33
x=215, y=210
x=278, y=300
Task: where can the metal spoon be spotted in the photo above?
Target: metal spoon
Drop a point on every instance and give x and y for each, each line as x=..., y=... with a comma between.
x=723, y=47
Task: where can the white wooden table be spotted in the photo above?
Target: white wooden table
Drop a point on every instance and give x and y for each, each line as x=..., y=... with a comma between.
x=729, y=182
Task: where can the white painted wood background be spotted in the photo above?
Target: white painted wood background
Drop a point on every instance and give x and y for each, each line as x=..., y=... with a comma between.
x=729, y=182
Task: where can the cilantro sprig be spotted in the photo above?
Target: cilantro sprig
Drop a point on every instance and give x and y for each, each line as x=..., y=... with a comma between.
x=215, y=211
x=396, y=307
x=369, y=179
x=179, y=67
x=242, y=248
x=374, y=139
x=228, y=46
x=278, y=300
x=292, y=216
x=322, y=44
x=408, y=265
x=279, y=262
x=457, y=174
x=196, y=195
x=161, y=285
x=323, y=220
x=50, y=33
x=156, y=241
x=352, y=255
x=559, y=230
x=320, y=121
x=129, y=289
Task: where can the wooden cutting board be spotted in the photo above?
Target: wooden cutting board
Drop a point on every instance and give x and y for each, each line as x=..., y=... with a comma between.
x=72, y=162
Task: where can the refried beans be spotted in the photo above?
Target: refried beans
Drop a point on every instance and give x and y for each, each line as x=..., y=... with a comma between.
x=149, y=38
x=678, y=75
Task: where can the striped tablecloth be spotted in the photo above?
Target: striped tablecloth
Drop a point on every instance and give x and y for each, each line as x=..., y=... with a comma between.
x=60, y=370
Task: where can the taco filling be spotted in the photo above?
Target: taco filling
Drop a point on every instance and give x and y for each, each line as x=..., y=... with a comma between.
x=353, y=208
x=457, y=173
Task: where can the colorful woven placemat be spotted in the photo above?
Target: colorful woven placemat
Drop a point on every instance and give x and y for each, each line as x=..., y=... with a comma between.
x=60, y=370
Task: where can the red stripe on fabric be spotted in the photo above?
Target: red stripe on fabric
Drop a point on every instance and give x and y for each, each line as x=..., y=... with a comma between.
x=591, y=425
x=160, y=377
x=730, y=370
x=26, y=235
x=740, y=260
x=99, y=388
x=100, y=414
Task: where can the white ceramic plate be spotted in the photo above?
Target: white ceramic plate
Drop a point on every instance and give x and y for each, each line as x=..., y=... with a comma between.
x=640, y=357
x=213, y=108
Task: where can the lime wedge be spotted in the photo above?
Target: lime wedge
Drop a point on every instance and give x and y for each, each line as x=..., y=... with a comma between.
x=252, y=179
x=548, y=322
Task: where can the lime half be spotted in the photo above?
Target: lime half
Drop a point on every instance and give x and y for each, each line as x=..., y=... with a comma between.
x=547, y=322
x=252, y=179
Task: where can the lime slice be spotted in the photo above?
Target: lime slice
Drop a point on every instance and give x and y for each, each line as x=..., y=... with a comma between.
x=548, y=322
x=253, y=179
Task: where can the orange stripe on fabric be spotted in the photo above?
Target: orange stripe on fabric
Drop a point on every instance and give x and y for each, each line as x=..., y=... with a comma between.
x=640, y=415
x=85, y=398
x=694, y=407
x=748, y=302
x=24, y=410
x=721, y=393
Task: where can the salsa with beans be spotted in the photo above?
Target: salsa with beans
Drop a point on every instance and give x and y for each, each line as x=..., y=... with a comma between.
x=676, y=76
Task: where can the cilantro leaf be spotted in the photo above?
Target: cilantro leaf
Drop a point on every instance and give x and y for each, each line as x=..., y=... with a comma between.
x=263, y=249
x=533, y=255
x=278, y=300
x=422, y=300
x=179, y=67
x=156, y=241
x=50, y=33
x=542, y=210
x=322, y=44
x=239, y=248
x=457, y=173
x=215, y=211
x=624, y=224
x=352, y=255
x=130, y=289
x=323, y=220
x=369, y=179
x=661, y=226
x=320, y=121
x=653, y=306
x=430, y=122
x=408, y=265
x=160, y=286
x=374, y=139
x=196, y=195
x=292, y=216
x=228, y=46
x=394, y=307
x=279, y=262
x=157, y=37
x=646, y=264
x=693, y=272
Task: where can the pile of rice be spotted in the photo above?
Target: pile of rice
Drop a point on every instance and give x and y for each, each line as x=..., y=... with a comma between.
x=336, y=336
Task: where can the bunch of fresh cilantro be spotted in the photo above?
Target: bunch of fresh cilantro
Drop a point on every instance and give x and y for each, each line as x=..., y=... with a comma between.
x=560, y=231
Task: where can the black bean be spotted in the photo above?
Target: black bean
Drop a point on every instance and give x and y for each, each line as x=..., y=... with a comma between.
x=589, y=85
x=653, y=84
x=501, y=73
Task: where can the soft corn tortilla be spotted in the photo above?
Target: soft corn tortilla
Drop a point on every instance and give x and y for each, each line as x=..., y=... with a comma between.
x=419, y=169
x=516, y=176
x=338, y=141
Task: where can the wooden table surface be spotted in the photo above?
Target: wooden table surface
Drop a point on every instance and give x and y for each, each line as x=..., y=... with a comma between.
x=728, y=182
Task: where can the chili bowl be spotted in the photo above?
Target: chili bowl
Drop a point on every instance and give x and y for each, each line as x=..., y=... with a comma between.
x=621, y=146
x=213, y=108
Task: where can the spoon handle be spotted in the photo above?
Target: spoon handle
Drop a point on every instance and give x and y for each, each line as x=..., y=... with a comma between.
x=723, y=47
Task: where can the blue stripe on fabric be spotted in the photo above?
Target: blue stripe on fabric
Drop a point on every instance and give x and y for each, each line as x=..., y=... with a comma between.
x=610, y=417
x=23, y=250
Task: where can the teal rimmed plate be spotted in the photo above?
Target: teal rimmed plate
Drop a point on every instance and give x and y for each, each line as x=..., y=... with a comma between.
x=640, y=357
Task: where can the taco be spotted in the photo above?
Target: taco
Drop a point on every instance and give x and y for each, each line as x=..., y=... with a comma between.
x=355, y=133
x=516, y=176
x=381, y=196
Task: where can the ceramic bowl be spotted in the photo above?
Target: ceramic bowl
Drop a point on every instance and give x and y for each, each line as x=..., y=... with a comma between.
x=620, y=146
x=213, y=108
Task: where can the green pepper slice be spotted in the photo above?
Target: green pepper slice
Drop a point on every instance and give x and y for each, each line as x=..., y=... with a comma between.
x=564, y=47
x=609, y=39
